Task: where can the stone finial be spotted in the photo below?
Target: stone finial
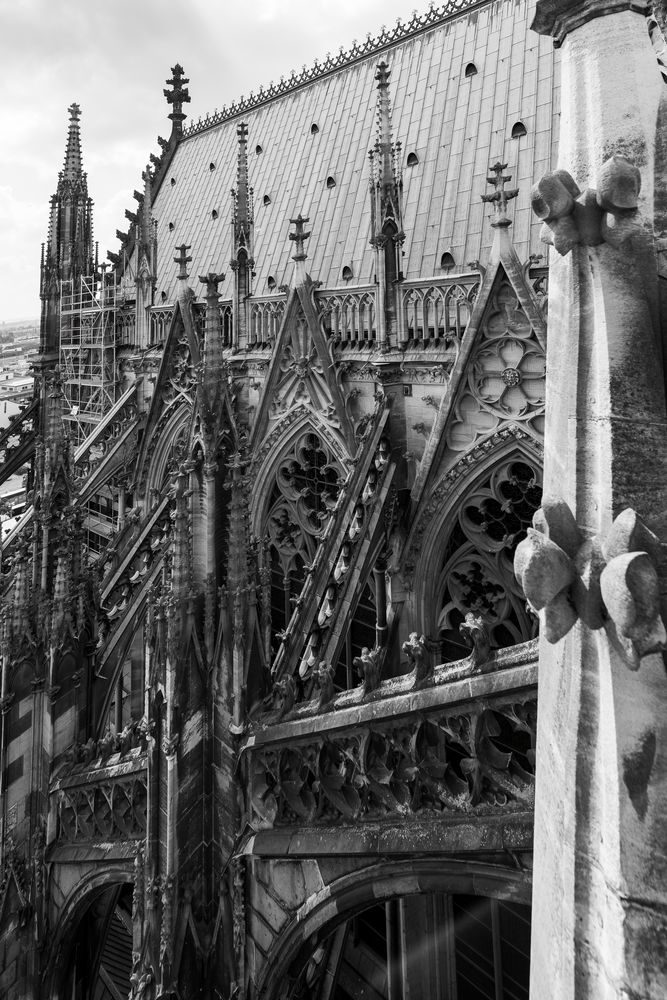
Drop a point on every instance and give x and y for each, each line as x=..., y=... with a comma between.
x=183, y=260
x=500, y=197
x=211, y=280
x=177, y=97
x=607, y=214
x=609, y=580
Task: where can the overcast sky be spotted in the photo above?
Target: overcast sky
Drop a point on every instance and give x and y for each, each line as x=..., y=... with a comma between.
x=112, y=58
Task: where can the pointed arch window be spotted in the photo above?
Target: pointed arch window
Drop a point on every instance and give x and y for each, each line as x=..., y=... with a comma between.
x=477, y=573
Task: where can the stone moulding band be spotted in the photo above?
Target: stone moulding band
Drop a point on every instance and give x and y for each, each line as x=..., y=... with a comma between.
x=345, y=57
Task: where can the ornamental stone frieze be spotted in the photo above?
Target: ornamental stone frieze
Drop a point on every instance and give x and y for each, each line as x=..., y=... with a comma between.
x=479, y=760
x=109, y=809
x=609, y=580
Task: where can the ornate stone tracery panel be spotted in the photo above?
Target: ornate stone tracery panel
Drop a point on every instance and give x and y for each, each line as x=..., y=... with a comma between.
x=477, y=761
x=305, y=491
x=506, y=373
x=477, y=572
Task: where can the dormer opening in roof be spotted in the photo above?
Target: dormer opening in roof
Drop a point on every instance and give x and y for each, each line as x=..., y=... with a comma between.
x=386, y=194
x=314, y=128
x=242, y=262
x=177, y=97
x=519, y=130
x=299, y=237
x=412, y=159
x=470, y=70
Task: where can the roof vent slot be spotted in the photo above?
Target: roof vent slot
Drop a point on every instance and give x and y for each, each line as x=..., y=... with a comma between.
x=470, y=70
x=413, y=159
x=258, y=149
x=314, y=128
x=447, y=261
x=171, y=227
x=214, y=214
x=211, y=166
x=266, y=200
x=331, y=182
x=271, y=282
x=347, y=273
x=518, y=130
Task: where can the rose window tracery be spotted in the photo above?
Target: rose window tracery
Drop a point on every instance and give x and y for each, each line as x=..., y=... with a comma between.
x=477, y=573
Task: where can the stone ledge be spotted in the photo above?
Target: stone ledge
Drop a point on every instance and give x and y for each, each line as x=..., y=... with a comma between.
x=458, y=835
x=397, y=697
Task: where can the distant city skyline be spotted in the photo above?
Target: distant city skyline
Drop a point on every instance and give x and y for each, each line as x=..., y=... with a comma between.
x=113, y=61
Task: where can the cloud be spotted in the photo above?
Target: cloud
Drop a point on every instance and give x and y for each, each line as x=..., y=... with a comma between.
x=113, y=60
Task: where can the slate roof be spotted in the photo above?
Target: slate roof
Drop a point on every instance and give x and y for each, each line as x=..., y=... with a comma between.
x=456, y=125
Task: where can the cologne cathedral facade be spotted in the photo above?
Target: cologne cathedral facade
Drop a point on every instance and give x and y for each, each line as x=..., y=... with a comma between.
x=322, y=476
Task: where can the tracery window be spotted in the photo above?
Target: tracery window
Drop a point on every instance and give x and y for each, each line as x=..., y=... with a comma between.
x=477, y=571
x=304, y=494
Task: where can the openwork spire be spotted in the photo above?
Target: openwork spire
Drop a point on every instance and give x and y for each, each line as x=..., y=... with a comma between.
x=386, y=184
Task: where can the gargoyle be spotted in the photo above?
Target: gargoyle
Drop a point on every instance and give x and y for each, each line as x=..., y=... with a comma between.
x=325, y=675
x=475, y=629
x=415, y=649
x=369, y=668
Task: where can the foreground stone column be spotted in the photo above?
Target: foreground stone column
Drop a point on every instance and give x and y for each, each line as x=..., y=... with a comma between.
x=600, y=880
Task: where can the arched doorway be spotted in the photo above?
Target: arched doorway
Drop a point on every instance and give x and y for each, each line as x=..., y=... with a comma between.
x=424, y=947
x=100, y=954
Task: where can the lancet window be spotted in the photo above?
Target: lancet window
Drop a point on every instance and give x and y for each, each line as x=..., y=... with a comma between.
x=477, y=573
x=304, y=494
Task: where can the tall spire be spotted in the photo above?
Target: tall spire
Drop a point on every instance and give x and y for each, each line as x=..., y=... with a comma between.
x=386, y=177
x=69, y=252
x=386, y=193
x=73, y=167
x=242, y=208
x=242, y=262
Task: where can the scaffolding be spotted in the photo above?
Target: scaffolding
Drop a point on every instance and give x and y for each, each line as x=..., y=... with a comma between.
x=88, y=351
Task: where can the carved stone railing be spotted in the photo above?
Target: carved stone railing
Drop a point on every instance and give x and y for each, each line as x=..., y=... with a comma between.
x=264, y=318
x=463, y=745
x=101, y=800
x=437, y=311
x=160, y=318
x=349, y=316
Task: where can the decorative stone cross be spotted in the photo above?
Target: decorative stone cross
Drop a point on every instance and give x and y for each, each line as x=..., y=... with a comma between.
x=500, y=196
x=182, y=260
x=74, y=112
